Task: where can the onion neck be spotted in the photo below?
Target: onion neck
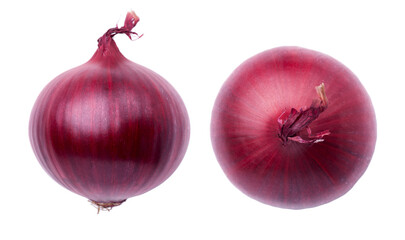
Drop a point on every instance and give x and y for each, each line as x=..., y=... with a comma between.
x=292, y=126
x=107, y=48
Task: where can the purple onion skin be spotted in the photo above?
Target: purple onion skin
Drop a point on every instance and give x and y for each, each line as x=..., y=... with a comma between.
x=109, y=129
x=245, y=129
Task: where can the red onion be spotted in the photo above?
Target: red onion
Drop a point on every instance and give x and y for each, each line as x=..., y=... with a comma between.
x=293, y=128
x=109, y=129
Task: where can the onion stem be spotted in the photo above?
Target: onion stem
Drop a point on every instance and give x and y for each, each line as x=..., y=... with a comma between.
x=297, y=121
x=130, y=22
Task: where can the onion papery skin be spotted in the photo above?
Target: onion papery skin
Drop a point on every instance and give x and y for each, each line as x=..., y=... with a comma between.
x=109, y=129
x=245, y=129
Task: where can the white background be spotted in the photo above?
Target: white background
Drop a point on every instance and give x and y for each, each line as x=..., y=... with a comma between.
x=195, y=45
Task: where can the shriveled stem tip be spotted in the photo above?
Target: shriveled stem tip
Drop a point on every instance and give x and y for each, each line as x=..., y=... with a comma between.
x=130, y=22
x=320, y=90
x=291, y=126
x=105, y=206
